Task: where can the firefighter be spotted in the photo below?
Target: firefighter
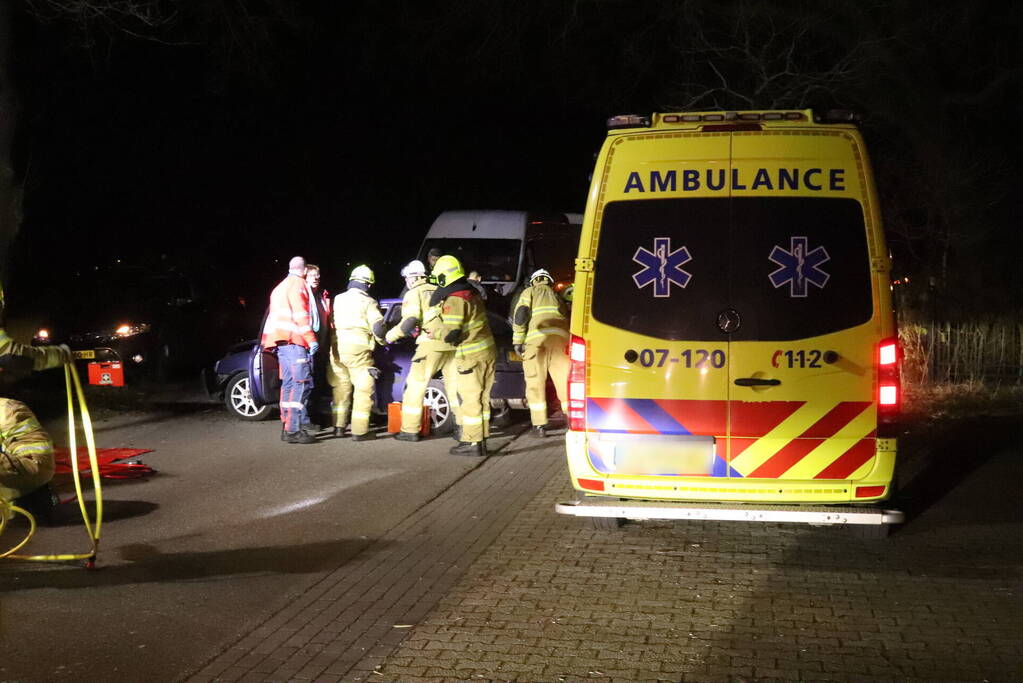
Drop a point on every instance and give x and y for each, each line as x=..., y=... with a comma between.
x=26, y=451
x=26, y=456
x=291, y=326
x=540, y=336
x=358, y=327
x=431, y=354
x=457, y=317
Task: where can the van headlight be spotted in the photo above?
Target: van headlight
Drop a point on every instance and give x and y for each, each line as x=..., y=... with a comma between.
x=129, y=330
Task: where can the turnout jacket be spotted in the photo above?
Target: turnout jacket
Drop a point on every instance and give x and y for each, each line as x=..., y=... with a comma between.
x=358, y=322
x=25, y=448
x=414, y=306
x=539, y=313
x=18, y=360
x=457, y=316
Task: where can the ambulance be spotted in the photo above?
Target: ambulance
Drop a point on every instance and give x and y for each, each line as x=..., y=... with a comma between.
x=734, y=353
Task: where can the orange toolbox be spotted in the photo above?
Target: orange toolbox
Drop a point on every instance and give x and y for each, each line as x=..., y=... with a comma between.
x=394, y=419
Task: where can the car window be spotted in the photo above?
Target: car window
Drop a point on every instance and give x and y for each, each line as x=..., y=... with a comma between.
x=791, y=267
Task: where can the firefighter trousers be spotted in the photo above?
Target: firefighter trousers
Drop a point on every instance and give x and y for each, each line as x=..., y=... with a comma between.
x=475, y=380
x=539, y=360
x=352, y=386
x=425, y=364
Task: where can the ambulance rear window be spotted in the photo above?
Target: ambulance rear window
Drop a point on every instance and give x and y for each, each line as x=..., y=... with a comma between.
x=792, y=267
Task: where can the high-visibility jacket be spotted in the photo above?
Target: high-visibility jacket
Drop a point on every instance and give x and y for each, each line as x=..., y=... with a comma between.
x=539, y=313
x=26, y=451
x=358, y=322
x=289, y=320
x=413, y=307
x=17, y=360
x=460, y=318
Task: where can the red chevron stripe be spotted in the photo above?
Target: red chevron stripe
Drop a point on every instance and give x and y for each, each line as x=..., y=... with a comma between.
x=748, y=419
x=838, y=417
x=862, y=451
x=704, y=418
x=780, y=462
x=737, y=446
x=821, y=430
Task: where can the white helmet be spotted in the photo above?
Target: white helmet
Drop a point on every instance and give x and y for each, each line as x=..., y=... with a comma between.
x=539, y=274
x=414, y=269
x=362, y=274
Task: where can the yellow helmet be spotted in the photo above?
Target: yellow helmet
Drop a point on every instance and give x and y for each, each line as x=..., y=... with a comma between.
x=568, y=293
x=363, y=274
x=447, y=270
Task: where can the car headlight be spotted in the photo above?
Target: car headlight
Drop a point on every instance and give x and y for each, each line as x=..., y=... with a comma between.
x=129, y=330
x=42, y=335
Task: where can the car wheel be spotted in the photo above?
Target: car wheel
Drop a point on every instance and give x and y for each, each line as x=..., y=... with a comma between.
x=239, y=401
x=442, y=418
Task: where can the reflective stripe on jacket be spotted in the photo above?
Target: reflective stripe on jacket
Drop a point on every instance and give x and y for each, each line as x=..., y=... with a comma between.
x=462, y=316
x=356, y=319
x=25, y=447
x=288, y=320
x=538, y=313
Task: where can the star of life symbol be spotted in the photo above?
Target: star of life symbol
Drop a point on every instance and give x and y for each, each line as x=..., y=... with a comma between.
x=662, y=266
x=799, y=267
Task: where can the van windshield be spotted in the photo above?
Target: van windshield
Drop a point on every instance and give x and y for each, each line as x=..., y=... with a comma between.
x=496, y=260
x=791, y=267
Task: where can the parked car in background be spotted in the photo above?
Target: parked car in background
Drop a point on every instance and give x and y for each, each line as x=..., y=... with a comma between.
x=231, y=378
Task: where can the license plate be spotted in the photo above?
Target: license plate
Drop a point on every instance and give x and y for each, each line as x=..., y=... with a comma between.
x=84, y=354
x=652, y=456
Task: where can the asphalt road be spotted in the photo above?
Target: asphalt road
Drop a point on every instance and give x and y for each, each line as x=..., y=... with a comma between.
x=234, y=524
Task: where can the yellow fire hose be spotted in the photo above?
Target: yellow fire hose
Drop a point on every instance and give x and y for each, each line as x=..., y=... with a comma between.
x=8, y=510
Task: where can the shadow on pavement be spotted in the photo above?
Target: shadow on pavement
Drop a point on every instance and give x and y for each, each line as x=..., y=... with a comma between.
x=145, y=563
x=952, y=452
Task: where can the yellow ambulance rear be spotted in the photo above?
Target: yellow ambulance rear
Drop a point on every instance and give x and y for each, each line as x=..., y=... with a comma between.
x=734, y=351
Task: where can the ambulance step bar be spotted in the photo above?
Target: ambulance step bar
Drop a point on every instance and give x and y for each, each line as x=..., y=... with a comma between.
x=801, y=514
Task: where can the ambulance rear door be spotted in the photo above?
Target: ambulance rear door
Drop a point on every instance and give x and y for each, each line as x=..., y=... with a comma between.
x=800, y=320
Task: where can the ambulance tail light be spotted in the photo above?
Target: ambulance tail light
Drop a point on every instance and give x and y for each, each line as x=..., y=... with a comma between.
x=889, y=389
x=577, y=384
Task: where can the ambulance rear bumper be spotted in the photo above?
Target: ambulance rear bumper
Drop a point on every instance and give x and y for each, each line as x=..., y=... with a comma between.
x=799, y=514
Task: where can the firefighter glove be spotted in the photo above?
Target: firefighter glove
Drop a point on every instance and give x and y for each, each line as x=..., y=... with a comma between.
x=374, y=373
x=520, y=349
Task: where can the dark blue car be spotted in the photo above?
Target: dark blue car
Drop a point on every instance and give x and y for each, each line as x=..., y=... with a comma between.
x=237, y=378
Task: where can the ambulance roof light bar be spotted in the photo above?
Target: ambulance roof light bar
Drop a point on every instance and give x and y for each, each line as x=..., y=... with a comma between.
x=735, y=116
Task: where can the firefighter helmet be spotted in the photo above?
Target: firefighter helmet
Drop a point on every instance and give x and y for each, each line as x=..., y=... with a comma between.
x=414, y=269
x=540, y=274
x=362, y=274
x=447, y=270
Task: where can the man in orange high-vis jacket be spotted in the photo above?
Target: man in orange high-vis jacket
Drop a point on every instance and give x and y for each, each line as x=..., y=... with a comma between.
x=291, y=326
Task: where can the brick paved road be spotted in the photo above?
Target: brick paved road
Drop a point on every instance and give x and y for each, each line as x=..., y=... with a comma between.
x=552, y=600
x=548, y=599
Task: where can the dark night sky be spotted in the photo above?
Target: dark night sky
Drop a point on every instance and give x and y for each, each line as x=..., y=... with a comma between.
x=346, y=151
x=346, y=135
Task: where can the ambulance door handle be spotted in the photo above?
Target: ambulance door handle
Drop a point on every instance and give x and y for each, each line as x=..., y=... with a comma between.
x=757, y=382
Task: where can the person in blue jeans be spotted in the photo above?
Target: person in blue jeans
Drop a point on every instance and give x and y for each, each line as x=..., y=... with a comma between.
x=291, y=325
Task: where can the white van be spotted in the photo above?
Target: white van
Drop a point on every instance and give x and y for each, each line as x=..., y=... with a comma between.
x=504, y=247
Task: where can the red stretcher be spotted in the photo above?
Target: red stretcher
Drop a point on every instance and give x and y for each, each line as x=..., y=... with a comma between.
x=114, y=463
